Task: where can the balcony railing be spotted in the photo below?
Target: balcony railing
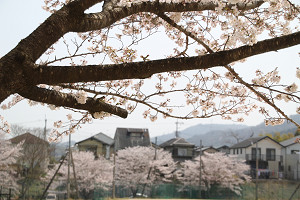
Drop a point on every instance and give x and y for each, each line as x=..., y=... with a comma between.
x=264, y=157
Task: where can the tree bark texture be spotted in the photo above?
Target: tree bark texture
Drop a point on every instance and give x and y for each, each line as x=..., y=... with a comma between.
x=20, y=74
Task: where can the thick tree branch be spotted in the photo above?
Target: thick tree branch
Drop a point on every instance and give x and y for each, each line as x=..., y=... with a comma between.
x=140, y=70
x=71, y=18
x=66, y=100
x=107, y=17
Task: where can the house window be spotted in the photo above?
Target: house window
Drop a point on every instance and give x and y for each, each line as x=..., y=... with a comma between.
x=136, y=138
x=92, y=149
x=253, y=153
x=175, y=152
x=135, y=135
x=294, y=151
x=241, y=151
x=271, y=153
x=182, y=152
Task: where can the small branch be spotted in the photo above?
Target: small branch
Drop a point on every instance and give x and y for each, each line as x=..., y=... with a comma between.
x=187, y=33
x=260, y=95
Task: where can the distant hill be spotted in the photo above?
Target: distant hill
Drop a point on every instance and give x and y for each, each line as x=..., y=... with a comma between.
x=227, y=134
x=199, y=130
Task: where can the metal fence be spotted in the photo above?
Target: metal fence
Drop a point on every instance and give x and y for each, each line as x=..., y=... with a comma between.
x=5, y=193
x=266, y=189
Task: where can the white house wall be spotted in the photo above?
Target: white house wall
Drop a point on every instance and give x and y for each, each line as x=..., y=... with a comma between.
x=265, y=144
x=295, y=147
x=239, y=155
x=291, y=161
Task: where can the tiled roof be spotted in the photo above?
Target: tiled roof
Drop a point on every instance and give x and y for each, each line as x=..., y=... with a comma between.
x=290, y=141
x=101, y=137
x=205, y=148
x=104, y=138
x=248, y=142
x=28, y=138
x=176, y=142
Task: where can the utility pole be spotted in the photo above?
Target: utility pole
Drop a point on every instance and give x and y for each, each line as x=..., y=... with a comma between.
x=256, y=174
x=200, y=172
x=61, y=163
x=114, y=177
x=177, y=124
x=45, y=129
x=74, y=174
x=69, y=163
x=155, y=155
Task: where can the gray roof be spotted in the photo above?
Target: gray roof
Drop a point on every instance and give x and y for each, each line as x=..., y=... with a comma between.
x=248, y=142
x=124, y=138
x=176, y=142
x=28, y=138
x=101, y=137
x=205, y=148
x=290, y=141
x=222, y=147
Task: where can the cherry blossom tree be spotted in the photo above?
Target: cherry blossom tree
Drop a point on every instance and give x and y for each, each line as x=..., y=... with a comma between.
x=217, y=169
x=138, y=167
x=8, y=163
x=90, y=173
x=108, y=67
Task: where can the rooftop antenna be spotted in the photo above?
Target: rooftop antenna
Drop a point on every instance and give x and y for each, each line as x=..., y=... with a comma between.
x=177, y=132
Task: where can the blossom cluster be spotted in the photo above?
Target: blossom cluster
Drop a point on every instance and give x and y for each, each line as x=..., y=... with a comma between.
x=4, y=125
x=216, y=168
x=194, y=94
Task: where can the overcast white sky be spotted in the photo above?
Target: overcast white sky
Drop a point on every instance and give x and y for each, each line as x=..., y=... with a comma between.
x=19, y=18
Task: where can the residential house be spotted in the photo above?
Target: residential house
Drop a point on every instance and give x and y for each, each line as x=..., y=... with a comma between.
x=224, y=148
x=291, y=154
x=267, y=151
x=36, y=153
x=205, y=150
x=99, y=144
x=130, y=137
x=181, y=149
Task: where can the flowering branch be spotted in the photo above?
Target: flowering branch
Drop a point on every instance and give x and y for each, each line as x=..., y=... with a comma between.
x=142, y=70
x=230, y=69
x=260, y=95
x=67, y=100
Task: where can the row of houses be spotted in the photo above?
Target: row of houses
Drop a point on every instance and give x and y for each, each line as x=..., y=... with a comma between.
x=274, y=159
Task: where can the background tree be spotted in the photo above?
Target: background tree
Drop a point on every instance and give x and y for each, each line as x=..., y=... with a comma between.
x=218, y=169
x=238, y=137
x=105, y=67
x=137, y=167
x=8, y=163
x=33, y=162
x=91, y=173
x=278, y=136
x=17, y=129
